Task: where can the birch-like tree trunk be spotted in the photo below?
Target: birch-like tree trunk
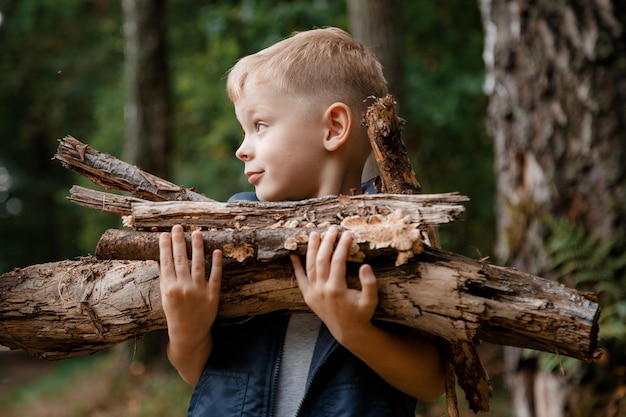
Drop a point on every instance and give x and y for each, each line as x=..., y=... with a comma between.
x=557, y=86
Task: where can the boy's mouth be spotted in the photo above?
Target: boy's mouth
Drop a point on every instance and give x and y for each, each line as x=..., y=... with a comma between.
x=253, y=176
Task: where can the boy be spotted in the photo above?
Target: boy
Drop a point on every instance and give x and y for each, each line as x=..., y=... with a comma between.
x=299, y=103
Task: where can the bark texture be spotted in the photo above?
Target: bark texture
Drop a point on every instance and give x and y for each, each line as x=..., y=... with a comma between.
x=112, y=174
x=380, y=224
x=557, y=86
x=71, y=308
x=384, y=129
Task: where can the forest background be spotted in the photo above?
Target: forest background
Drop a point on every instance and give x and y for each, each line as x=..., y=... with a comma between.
x=63, y=72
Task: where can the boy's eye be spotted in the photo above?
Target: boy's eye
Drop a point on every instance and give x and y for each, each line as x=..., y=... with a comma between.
x=259, y=126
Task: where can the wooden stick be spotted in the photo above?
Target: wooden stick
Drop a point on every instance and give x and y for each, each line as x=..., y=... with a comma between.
x=113, y=174
x=104, y=202
x=384, y=130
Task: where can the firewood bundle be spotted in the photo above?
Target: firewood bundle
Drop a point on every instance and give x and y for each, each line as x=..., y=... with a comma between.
x=70, y=308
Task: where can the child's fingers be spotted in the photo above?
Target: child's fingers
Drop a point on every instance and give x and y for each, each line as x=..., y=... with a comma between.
x=166, y=261
x=215, y=278
x=325, y=253
x=179, y=252
x=311, y=257
x=338, y=261
x=299, y=272
x=197, y=257
x=369, y=285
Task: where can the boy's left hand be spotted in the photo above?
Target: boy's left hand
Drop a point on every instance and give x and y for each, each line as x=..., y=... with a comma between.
x=345, y=311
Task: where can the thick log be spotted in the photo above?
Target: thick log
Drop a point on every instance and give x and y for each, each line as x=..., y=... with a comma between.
x=71, y=308
x=113, y=174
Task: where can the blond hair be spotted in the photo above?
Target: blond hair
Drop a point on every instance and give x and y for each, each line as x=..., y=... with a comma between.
x=323, y=65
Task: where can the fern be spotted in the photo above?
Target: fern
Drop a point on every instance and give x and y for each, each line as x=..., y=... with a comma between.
x=583, y=260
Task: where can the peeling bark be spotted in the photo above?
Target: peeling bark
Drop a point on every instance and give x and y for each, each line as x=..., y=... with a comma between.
x=71, y=308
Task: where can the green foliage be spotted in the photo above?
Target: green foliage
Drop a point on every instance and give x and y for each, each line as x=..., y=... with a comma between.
x=590, y=263
x=214, y=37
x=62, y=66
x=56, y=60
x=443, y=103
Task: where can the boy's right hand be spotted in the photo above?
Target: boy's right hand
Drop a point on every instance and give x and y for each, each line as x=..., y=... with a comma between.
x=190, y=302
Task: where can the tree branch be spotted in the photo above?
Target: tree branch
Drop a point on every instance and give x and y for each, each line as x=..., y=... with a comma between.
x=113, y=174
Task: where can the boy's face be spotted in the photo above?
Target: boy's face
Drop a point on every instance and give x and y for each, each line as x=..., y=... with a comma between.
x=283, y=147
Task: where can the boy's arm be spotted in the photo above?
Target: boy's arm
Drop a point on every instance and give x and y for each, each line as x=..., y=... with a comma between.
x=409, y=363
x=190, y=302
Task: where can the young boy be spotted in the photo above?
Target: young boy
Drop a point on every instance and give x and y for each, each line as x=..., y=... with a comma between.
x=299, y=103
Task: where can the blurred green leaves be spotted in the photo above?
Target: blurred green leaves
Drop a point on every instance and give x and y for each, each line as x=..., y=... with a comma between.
x=62, y=73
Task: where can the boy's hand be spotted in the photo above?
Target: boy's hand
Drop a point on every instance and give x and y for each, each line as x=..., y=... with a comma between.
x=346, y=312
x=411, y=364
x=190, y=302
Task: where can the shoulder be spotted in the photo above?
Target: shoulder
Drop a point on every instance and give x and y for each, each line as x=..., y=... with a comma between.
x=245, y=196
x=369, y=187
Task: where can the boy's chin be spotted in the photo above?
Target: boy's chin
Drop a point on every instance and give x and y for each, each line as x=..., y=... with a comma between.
x=269, y=196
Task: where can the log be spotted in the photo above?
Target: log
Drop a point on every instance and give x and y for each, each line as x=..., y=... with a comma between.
x=266, y=244
x=113, y=174
x=384, y=129
x=266, y=230
x=474, y=301
x=70, y=308
x=424, y=210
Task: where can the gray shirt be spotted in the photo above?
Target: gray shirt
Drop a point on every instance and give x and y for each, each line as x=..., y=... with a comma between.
x=302, y=331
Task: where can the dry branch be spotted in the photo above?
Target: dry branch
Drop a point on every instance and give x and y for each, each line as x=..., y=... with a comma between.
x=71, y=308
x=113, y=174
x=263, y=244
x=104, y=202
x=384, y=130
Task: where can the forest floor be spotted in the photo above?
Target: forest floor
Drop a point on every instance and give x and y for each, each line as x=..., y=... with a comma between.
x=112, y=384
x=102, y=385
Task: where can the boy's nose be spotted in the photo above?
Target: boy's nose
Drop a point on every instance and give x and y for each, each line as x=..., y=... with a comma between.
x=244, y=152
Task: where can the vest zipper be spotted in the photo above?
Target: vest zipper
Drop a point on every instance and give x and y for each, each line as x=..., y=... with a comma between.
x=313, y=374
x=274, y=382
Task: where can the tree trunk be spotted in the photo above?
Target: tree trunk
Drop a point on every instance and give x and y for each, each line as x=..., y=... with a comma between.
x=147, y=113
x=375, y=24
x=557, y=85
x=80, y=307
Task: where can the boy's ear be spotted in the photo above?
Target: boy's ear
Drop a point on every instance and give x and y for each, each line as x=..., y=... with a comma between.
x=338, y=120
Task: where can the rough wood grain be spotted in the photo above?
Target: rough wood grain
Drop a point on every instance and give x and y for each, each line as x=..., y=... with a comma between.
x=104, y=202
x=384, y=130
x=71, y=308
x=113, y=174
x=261, y=244
x=426, y=210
